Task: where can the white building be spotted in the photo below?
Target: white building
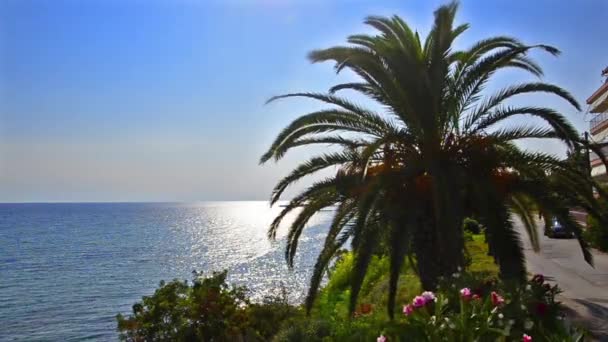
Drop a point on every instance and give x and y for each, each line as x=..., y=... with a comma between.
x=598, y=107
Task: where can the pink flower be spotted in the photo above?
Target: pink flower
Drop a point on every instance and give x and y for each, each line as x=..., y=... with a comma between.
x=526, y=338
x=428, y=296
x=419, y=302
x=408, y=310
x=466, y=293
x=381, y=338
x=496, y=299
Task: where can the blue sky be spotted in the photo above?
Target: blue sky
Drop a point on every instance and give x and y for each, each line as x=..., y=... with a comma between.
x=164, y=100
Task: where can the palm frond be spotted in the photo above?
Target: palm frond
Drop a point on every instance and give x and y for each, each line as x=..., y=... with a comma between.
x=366, y=234
x=526, y=88
x=399, y=248
x=525, y=215
x=311, y=166
x=563, y=129
x=344, y=214
x=314, y=191
x=324, y=121
x=308, y=211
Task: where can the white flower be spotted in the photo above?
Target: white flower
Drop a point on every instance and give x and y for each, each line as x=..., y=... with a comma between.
x=429, y=296
x=528, y=324
x=501, y=316
x=511, y=322
x=459, y=269
x=528, y=287
x=456, y=275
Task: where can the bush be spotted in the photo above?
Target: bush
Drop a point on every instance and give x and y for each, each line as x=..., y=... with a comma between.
x=304, y=331
x=485, y=310
x=208, y=309
x=467, y=307
x=472, y=226
x=596, y=235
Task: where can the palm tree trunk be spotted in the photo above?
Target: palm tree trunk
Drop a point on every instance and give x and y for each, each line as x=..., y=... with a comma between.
x=425, y=248
x=449, y=207
x=451, y=249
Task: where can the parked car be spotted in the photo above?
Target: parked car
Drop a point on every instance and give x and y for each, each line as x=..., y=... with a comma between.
x=558, y=231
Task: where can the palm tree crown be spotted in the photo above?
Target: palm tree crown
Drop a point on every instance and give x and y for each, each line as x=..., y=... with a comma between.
x=439, y=152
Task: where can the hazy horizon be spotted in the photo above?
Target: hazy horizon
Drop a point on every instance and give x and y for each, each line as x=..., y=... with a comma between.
x=163, y=101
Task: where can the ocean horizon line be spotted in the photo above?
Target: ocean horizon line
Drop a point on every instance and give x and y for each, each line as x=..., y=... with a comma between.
x=135, y=202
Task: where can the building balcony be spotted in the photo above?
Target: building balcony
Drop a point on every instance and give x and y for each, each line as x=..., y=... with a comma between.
x=600, y=105
x=594, y=159
x=598, y=102
x=598, y=123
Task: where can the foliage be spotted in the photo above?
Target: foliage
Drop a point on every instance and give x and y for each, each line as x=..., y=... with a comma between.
x=485, y=312
x=596, y=234
x=332, y=304
x=442, y=150
x=478, y=259
x=472, y=226
x=304, y=331
x=208, y=309
x=467, y=307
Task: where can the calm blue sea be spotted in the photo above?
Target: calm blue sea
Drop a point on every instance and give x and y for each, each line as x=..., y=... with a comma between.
x=66, y=270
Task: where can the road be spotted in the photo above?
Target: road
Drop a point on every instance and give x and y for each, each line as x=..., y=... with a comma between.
x=585, y=287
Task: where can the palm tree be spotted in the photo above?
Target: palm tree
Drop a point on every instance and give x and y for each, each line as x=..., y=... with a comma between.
x=441, y=151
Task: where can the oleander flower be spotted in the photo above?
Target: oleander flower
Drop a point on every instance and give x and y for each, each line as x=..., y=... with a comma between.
x=408, y=310
x=428, y=296
x=497, y=299
x=466, y=293
x=527, y=338
x=419, y=302
x=381, y=338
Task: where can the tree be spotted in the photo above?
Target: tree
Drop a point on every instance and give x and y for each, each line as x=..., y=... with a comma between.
x=441, y=151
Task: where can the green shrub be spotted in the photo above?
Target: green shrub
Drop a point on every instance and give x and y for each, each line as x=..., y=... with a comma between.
x=208, y=309
x=596, y=235
x=304, y=331
x=483, y=310
x=472, y=226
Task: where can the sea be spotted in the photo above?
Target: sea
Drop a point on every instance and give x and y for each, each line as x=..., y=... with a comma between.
x=67, y=269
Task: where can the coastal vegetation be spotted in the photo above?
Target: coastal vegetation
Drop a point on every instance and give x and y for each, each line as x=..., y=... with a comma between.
x=425, y=194
x=472, y=304
x=442, y=149
x=596, y=233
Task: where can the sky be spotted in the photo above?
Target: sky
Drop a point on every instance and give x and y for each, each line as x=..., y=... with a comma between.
x=159, y=100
